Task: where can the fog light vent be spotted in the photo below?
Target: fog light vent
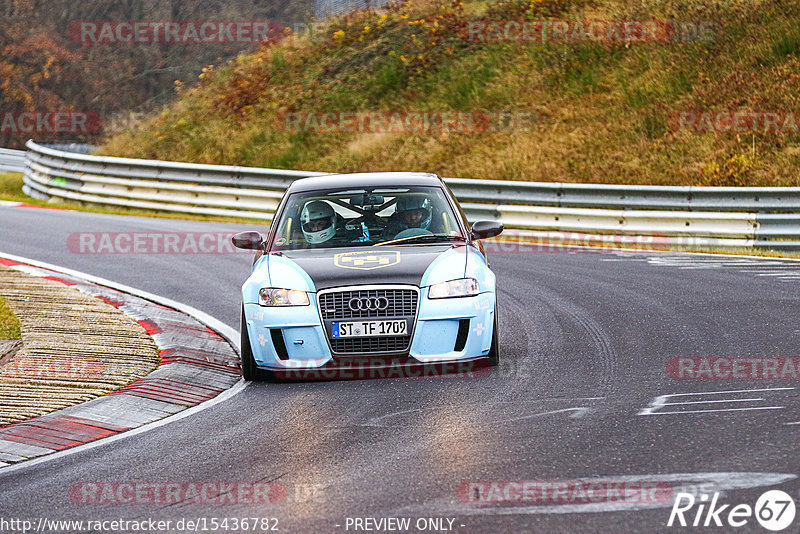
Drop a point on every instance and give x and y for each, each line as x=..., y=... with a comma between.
x=278, y=343
x=463, y=332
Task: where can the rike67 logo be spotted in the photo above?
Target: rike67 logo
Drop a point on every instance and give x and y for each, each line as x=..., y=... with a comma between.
x=774, y=510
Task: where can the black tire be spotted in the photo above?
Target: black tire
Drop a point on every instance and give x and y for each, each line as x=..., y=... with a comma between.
x=494, y=350
x=250, y=370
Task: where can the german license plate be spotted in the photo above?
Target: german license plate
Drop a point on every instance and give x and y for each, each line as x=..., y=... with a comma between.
x=395, y=327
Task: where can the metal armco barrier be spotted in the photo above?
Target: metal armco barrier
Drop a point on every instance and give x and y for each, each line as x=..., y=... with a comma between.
x=766, y=217
x=12, y=160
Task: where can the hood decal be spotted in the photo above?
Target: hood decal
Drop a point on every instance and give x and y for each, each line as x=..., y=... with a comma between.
x=367, y=260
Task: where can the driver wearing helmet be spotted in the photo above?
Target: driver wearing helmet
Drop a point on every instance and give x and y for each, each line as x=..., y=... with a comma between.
x=318, y=222
x=412, y=211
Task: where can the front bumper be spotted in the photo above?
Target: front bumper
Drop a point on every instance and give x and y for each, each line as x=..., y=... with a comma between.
x=445, y=330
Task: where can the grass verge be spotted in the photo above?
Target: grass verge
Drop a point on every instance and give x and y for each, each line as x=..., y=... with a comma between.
x=9, y=324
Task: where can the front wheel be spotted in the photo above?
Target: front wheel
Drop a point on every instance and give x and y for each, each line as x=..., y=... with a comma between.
x=494, y=350
x=250, y=370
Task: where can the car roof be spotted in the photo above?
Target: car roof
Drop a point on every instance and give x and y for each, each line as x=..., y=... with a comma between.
x=364, y=179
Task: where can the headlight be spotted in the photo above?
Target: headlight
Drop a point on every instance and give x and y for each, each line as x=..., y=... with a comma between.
x=270, y=296
x=463, y=287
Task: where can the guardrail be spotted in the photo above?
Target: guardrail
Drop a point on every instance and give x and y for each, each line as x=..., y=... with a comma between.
x=692, y=216
x=12, y=160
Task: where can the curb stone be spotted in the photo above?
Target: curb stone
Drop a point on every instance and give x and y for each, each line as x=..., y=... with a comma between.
x=196, y=364
x=73, y=348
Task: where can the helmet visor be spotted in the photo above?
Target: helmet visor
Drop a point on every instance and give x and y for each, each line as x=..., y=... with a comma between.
x=316, y=225
x=414, y=216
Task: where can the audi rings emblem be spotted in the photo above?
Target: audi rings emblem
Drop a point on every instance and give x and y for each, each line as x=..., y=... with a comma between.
x=368, y=304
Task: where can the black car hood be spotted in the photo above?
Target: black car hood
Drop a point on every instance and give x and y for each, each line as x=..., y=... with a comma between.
x=336, y=267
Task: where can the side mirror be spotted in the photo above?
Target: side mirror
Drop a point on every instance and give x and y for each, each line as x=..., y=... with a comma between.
x=248, y=240
x=486, y=229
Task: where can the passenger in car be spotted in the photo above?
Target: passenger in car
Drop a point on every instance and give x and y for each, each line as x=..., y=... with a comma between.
x=413, y=211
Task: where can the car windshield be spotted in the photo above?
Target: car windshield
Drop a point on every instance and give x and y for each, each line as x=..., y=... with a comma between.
x=365, y=217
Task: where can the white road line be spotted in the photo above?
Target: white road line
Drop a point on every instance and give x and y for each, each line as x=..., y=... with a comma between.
x=750, y=267
x=720, y=410
x=580, y=411
x=729, y=257
x=730, y=391
x=709, y=402
x=660, y=401
x=776, y=268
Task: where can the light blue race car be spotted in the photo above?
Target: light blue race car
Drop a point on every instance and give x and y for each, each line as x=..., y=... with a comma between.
x=367, y=270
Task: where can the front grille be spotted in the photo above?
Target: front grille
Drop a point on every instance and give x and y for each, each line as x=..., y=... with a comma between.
x=402, y=303
x=334, y=306
x=355, y=345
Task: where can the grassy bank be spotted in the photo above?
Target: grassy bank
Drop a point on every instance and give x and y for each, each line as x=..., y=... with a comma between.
x=599, y=112
x=9, y=325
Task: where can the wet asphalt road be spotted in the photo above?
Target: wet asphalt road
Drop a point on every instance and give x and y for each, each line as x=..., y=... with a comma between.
x=586, y=339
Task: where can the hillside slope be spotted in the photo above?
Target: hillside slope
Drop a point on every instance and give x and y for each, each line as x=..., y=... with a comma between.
x=586, y=110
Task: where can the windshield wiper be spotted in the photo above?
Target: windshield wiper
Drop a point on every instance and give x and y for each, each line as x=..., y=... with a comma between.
x=427, y=237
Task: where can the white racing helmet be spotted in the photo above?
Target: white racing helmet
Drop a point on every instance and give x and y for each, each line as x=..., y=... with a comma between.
x=318, y=222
